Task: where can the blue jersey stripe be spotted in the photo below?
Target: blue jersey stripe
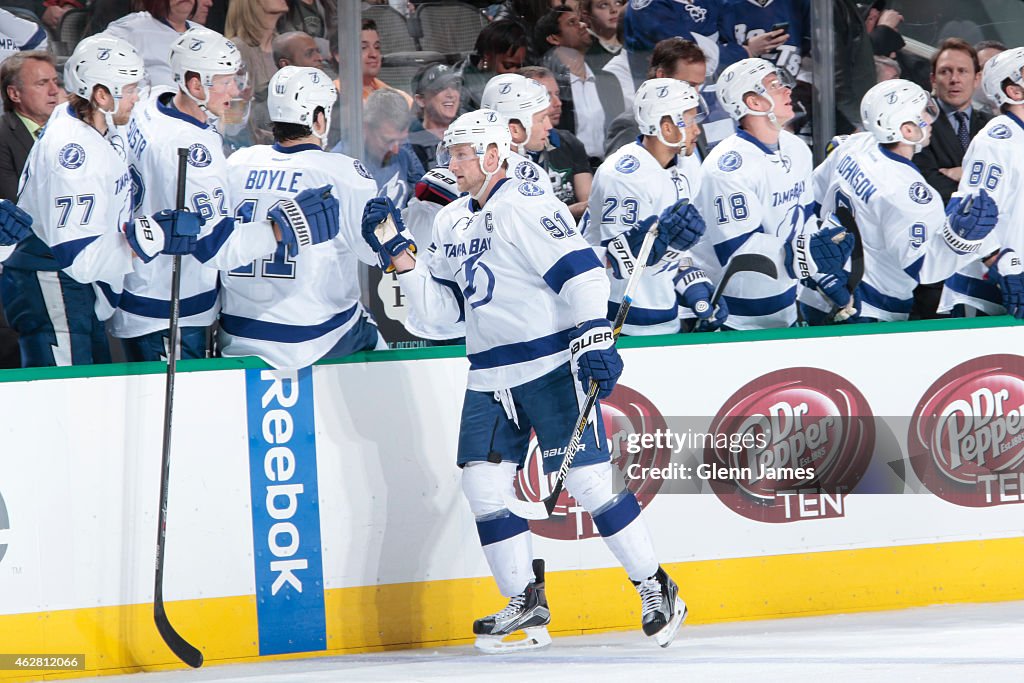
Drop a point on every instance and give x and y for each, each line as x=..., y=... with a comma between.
x=33, y=42
x=569, y=266
x=725, y=249
x=456, y=292
x=207, y=247
x=161, y=308
x=765, y=306
x=643, y=316
x=977, y=289
x=519, y=352
x=280, y=332
x=67, y=252
x=873, y=297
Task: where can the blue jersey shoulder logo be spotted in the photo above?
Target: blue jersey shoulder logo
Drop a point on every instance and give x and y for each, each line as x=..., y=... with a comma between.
x=920, y=193
x=71, y=155
x=639, y=4
x=526, y=171
x=730, y=161
x=1000, y=132
x=199, y=156
x=361, y=170
x=627, y=164
x=530, y=189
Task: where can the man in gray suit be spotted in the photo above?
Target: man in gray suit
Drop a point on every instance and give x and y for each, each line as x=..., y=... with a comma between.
x=28, y=85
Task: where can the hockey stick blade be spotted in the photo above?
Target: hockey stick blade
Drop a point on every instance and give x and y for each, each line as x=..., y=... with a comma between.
x=181, y=648
x=542, y=509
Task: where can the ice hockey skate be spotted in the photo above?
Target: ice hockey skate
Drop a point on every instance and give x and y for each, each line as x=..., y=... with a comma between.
x=527, y=612
x=663, y=611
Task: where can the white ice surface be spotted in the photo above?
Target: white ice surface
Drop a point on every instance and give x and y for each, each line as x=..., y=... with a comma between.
x=961, y=643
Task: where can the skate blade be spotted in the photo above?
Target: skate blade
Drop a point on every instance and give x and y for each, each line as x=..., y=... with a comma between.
x=536, y=638
x=665, y=636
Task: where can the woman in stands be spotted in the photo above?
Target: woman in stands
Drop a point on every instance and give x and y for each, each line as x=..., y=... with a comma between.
x=152, y=31
x=500, y=48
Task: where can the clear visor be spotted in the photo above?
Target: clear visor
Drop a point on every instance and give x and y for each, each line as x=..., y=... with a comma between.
x=140, y=89
x=781, y=79
x=444, y=156
x=930, y=113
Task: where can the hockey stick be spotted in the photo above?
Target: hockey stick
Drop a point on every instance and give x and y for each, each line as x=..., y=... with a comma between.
x=179, y=646
x=542, y=509
x=847, y=220
x=742, y=263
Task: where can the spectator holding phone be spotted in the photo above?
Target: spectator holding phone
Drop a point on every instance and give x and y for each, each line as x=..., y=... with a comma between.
x=778, y=32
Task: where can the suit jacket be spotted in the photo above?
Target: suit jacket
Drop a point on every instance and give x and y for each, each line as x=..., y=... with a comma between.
x=15, y=143
x=945, y=151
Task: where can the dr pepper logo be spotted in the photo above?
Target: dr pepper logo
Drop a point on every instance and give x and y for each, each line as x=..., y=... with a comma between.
x=809, y=438
x=625, y=412
x=966, y=438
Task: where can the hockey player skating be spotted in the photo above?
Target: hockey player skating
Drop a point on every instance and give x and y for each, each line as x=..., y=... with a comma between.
x=61, y=283
x=655, y=177
x=292, y=310
x=208, y=70
x=532, y=289
x=995, y=162
x=524, y=103
x=908, y=236
x=755, y=194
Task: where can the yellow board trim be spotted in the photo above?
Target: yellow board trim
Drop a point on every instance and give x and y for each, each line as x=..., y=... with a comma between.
x=395, y=616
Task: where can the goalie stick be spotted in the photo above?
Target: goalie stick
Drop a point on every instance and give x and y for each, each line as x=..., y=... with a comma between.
x=178, y=645
x=542, y=509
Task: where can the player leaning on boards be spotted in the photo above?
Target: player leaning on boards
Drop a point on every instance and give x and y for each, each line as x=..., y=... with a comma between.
x=995, y=161
x=209, y=72
x=908, y=236
x=294, y=309
x=755, y=196
x=524, y=103
x=63, y=281
x=655, y=178
x=534, y=294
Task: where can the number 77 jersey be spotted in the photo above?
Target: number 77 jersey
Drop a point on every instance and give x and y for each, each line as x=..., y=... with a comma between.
x=994, y=161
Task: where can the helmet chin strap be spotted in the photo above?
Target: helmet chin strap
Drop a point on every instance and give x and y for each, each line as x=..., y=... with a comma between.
x=327, y=128
x=478, y=195
x=211, y=118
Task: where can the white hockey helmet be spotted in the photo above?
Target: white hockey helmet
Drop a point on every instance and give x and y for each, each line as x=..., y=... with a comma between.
x=208, y=54
x=295, y=93
x=480, y=129
x=517, y=98
x=660, y=97
x=103, y=60
x=747, y=76
x=890, y=104
x=1008, y=64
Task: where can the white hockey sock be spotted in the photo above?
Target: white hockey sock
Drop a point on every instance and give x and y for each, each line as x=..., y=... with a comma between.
x=617, y=518
x=505, y=538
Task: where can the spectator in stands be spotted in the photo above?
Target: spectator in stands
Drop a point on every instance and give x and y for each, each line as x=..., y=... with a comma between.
x=436, y=89
x=676, y=58
x=955, y=76
x=296, y=48
x=645, y=24
x=886, y=69
x=500, y=48
x=152, y=31
x=884, y=28
x=372, y=61
x=30, y=91
x=563, y=157
x=252, y=26
x=589, y=99
x=747, y=31
x=602, y=20
x=389, y=157
x=986, y=49
x=19, y=34
x=314, y=17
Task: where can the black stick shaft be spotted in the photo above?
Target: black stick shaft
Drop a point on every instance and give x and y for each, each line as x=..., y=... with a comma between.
x=184, y=651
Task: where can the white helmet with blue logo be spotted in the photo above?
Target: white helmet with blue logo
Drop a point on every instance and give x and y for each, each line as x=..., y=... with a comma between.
x=1007, y=65
x=296, y=92
x=660, y=97
x=890, y=104
x=102, y=60
x=207, y=53
x=747, y=76
x=517, y=98
x=479, y=129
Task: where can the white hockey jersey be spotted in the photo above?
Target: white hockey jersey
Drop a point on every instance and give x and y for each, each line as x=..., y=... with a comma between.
x=152, y=39
x=900, y=219
x=155, y=133
x=524, y=168
x=518, y=272
x=628, y=187
x=419, y=217
x=290, y=311
x=994, y=161
x=753, y=200
x=77, y=189
x=19, y=34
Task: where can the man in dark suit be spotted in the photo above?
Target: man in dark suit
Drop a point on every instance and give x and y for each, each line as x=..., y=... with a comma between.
x=955, y=75
x=28, y=85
